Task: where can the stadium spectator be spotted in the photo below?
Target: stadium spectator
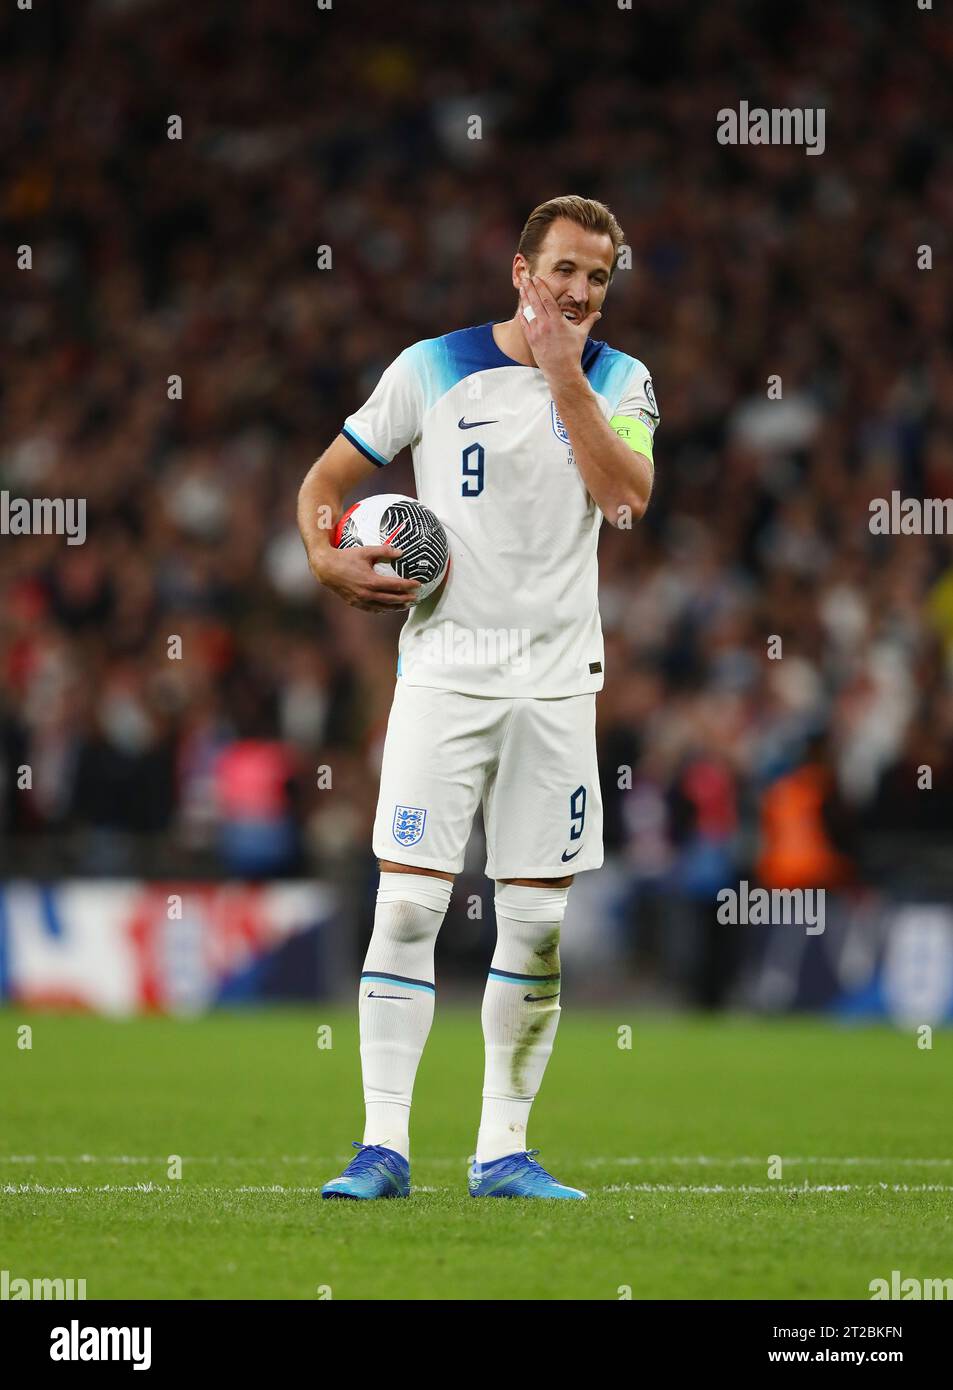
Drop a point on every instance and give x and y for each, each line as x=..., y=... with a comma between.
x=156, y=259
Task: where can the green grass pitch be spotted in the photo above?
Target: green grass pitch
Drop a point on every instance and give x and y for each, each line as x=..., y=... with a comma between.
x=671, y=1139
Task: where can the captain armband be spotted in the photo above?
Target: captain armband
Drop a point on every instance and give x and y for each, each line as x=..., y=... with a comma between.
x=637, y=431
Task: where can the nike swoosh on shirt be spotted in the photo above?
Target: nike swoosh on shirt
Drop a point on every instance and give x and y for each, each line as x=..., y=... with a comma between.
x=472, y=424
x=567, y=857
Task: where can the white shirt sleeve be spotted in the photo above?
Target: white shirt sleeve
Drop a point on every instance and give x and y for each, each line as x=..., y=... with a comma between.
x=636, y=416
x=392, y=417
x=638, y=398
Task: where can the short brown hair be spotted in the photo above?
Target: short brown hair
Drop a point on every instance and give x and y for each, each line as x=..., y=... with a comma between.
x=585, y=212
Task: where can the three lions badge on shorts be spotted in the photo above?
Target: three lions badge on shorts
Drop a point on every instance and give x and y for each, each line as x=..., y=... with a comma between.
x=409, y=822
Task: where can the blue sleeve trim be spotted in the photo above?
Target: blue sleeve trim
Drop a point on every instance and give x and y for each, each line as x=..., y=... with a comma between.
x=365, y=449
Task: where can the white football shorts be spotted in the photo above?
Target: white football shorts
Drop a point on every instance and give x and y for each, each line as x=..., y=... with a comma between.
x=532, y=762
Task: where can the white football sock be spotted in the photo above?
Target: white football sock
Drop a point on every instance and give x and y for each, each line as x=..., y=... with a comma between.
x=397, y=1000
x=520, y=1012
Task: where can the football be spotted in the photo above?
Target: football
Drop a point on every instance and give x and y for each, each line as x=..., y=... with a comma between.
x=406, y=524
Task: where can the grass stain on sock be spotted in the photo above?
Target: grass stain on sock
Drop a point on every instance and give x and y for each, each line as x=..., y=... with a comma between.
x=545, y=961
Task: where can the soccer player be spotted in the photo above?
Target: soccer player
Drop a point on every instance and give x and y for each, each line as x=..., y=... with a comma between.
x=525, y=433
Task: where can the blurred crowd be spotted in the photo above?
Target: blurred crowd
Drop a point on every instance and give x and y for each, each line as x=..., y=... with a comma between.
x=252, y=743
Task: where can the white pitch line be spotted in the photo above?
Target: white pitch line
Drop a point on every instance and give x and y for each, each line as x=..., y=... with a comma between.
x=686, y=1160
x=760, y=1160
x=703, y=1189
x=801, y=1188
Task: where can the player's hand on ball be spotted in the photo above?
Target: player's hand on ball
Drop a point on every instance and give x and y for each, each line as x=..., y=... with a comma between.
x=557, y=342
x=351, y=575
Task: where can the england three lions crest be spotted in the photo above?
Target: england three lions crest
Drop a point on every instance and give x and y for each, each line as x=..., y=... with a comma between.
x=559, y=429
x=409, y=822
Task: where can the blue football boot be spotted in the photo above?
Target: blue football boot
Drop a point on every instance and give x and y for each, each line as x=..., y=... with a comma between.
x=518, y=1175
x=373, y=1172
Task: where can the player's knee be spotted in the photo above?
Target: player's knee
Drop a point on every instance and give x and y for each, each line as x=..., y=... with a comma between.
x=388, y=866
x=529, y=923
x=410, y=907
x=566, y=882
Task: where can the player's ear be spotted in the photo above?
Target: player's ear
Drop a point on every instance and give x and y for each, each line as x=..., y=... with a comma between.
x=519, y=265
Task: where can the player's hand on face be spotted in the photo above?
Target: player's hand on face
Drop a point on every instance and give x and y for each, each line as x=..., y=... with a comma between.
x=351, y=575
x=557, y=343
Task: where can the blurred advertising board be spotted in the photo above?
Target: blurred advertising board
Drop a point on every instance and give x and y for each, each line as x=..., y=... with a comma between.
x=876, y=959
x=121, y=947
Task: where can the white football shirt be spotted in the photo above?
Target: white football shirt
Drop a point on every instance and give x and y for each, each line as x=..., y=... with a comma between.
x=519, y=613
